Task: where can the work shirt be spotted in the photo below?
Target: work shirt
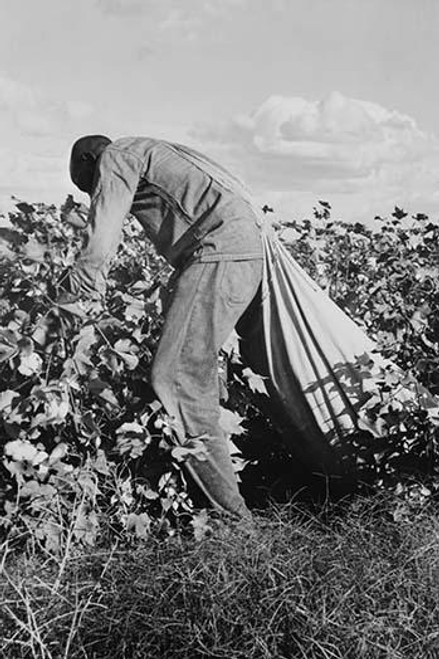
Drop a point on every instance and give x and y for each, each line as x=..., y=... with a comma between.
x=189, y=207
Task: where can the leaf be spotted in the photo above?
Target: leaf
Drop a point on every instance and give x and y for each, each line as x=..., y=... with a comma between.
x=255, y=382
x=86, y=340
x=19, y=450
x=39, y=335
x=57, y=410
x=10, y=236
x=86, y=527
x=50, y=531
x=25, y=208
x=41, y=491
x=88, y=483
x=26, y=346
x=139, y=523
x=131, y=428
x=20, y=318
x=30, y=364
x=138, y=336
x=135, y=311
x=124, y=345
x=102, y=389
x=201, y=526
x=8, y=344
x=59, y=452
x=132, y=439
x=6, y=253
x=166, y=503
x=88, y=425
x=290, y=235
x=97, y=386
x=231, y=344
x=6, y=352
x=72, y=307
x=6, y=399
x=147, y=492
x=101, y=464
x=192, y=449
x=34, y=250
x=230, y=422
x=22, y=450
x=110, y=358
x=108, y=396
x=131, y=361
x=77, y=217
x=418, y=321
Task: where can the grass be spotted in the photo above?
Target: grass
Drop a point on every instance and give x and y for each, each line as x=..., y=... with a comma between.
x=345, y=581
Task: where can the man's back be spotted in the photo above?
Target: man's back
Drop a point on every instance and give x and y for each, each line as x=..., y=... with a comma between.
x=188, y=206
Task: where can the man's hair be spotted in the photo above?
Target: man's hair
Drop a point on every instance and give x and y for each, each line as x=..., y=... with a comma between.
x=85, y=149
x=93, y=144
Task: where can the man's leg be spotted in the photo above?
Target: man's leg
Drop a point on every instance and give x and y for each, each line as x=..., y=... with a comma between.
x=208, y=300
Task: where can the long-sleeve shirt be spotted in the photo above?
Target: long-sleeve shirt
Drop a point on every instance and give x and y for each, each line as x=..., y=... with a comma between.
x=189, y=207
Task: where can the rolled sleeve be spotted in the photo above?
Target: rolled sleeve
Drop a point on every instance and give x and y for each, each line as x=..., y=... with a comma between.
x=117, y=179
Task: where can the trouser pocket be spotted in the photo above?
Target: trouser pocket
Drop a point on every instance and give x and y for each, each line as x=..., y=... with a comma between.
x=239, y=281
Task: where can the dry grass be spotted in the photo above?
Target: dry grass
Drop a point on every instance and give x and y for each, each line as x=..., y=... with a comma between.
x=347, y=581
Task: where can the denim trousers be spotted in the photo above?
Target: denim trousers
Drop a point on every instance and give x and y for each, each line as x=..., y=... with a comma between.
x=207, y=302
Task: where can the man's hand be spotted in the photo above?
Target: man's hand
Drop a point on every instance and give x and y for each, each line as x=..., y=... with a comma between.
x=73, y=305
x=74, y=213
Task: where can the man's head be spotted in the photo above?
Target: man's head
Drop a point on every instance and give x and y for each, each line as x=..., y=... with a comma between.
x=83, y=160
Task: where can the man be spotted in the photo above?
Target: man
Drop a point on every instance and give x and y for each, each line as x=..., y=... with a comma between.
x=200, y=219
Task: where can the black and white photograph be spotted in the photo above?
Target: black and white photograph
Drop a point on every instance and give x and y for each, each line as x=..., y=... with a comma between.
x=219, y=329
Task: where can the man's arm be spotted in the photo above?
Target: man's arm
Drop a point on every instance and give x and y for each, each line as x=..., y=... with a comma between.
x=117, y=177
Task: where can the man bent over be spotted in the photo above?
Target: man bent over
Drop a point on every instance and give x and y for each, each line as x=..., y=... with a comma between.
x=200, y=219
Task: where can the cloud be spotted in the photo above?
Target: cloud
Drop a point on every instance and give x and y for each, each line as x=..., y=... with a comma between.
x=172, y=17
x=144, y=53
x=361, y=157
x=342, y=136
x=126, y=7
x=35, y=114
x=122, y=7
x=36, y=132
x=351, y=149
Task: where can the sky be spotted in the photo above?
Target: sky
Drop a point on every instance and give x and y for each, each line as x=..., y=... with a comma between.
x=305, y=100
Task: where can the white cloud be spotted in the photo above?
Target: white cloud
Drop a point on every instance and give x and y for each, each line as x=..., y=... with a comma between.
x=361, y=157
x=36, y=132
x=173, y=17
x=342, y=133
x=189, y=6
x=357, y=152
x=122, y=7
x=35, y=114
